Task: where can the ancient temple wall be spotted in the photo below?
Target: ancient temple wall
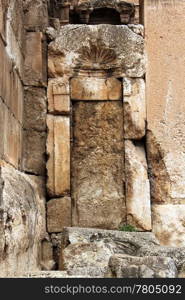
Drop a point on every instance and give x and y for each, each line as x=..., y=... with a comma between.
x=22, y=196
x=165, y=48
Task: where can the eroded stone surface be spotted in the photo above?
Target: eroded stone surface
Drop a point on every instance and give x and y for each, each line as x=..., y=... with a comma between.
x=34, y=144
x=125, y=266
x=58, y=149
x=169, y=224
x=137, y=186
x=87, y=251
x=58, y=214
x=22, y=217
x=98, y=164
x=95, y=89
x=35, y=109
x=96, y=47
x=58, y=96
x=134, y=108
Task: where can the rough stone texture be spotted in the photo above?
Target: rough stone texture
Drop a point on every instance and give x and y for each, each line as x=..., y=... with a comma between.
x=47, y=261
x=125, y=266
x=165, y=91
x=137, y=186
x=169, y=224
x=97, y=165
x=35, y=60
x=134, y=108
x=96, y=47
x=2, y=112
x=58, y=96
x=34, y=144
x=95, y=89
x=58, y=214
x=35, y=15
x=177, y=254
x=22, y=221
x=35, y=109
x=12, y=139
x=58, y=150
x=88, y=251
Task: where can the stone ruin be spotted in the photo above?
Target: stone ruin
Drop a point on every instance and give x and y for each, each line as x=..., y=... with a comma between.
x=92, y=138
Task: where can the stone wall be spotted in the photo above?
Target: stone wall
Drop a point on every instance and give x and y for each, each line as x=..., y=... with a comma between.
x=22, y=126
x=165, y=48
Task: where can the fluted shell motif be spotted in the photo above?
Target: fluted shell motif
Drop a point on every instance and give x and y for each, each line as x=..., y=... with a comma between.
x=96, y=56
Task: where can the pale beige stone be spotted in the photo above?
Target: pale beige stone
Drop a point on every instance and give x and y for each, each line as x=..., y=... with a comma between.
x=126, y=266
x=35, y=14
x=165, y=91
x=35, y=60
x=169, y=224
x=90, y=49
x=134, y=108
x=22, y=221
x=137, y=186
x=58, y=149
x=95, y=89
x=58, y=96
x=58, y=214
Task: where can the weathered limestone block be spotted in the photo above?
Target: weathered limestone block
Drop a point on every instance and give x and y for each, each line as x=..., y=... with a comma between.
x=95, y=89
x=87, y=251
x=22, y=221
x=34, y=144
x=125, y=266
x=58, y=150
x=98, y=164
x=166, y=170
x=58, y=214
x=58, y=96
x=137, y=186
x=134, y=108
x=96, y=47
x=35, y=60
x=35, y=15
x=169, y=224
x=35, y=108
x=176, y=253
x=2, y=119
x=164, y=94
x=12, y=139
x=47, y=261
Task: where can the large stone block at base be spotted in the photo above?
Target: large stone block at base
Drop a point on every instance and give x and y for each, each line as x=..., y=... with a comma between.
x=58, y=214
x=169, y=224
x=58, y=150
x=87, y=251
x=125, y=266
x=137, y=186
x=22, y=221
x=97, y=167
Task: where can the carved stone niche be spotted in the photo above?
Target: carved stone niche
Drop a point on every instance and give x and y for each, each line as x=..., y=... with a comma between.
x=94, y=11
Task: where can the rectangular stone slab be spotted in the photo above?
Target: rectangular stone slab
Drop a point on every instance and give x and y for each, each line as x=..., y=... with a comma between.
x=90, y=88
x=58, y=149
x=98, y=164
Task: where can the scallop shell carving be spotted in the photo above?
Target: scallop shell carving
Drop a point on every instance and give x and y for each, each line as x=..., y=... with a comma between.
x=96, y=56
